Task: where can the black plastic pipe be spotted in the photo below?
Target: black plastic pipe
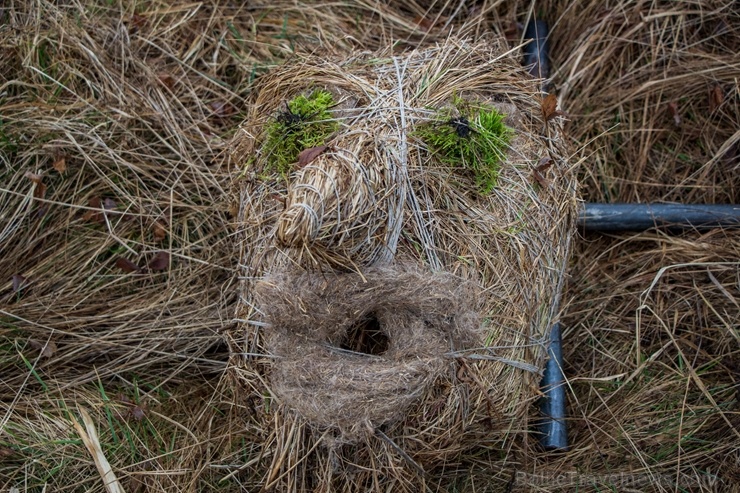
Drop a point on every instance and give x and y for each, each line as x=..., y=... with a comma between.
x=536, y=51
x=553, y=428
x=639, y=217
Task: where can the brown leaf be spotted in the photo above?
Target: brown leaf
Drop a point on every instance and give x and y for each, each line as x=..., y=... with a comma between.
x=33, y=177
x=40, y=191
x=544, y=164
x=109, y=204
x=19, y=282
x=159, y=231
x=308, y=155
x=550, y=108
x=716, y=97
x=221, y=109
x=60, y=164
x=47, y=349
x=511, y=30
x=6, y=453
x=124, y=398
x=126, y=265
x=540, y=178
x=92, y=215
x=167, y=80
x=137, y=22
x=137, y=412
x=423, y=23
x=673, y=110
x=160, y=261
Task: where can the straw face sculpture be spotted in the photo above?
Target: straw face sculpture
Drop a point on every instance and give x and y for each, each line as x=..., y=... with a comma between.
x=405, y=223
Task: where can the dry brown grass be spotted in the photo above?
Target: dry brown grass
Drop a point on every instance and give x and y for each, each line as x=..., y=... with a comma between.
x=139, y=101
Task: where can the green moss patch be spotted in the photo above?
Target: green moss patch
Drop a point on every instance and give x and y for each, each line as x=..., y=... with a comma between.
x=472, y=138
x=305, y=122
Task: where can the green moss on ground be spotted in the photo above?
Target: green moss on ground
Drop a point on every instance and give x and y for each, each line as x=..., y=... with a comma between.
x=305, y=122
x=472, y=138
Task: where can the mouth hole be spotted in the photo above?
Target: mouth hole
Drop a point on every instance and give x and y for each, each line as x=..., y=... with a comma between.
x=365, y=336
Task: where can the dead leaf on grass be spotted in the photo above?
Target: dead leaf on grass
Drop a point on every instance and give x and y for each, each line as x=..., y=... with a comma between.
x=544, y=164
x=19, y=282
x=307, y=155
x=137, y=22
x=109, y=204
x=673, y=110
x=60, y=164
x=36, y=178
x=159, y=231
x=423, y=23
x=40, y=191
x=126, y=265
x=93, y=215
x=716, y=98
x=137, y=412
x=550, y=108
x=47, y=349
x=167, y=80
x=221, y=109
x=160, y=261
x=540, y=179
x=538, y=173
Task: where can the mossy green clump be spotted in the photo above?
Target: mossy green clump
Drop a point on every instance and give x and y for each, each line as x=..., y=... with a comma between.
x=473, y=138
x=305, y=122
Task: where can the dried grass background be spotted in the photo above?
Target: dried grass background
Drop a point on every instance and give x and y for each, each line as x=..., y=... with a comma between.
x=140, y=99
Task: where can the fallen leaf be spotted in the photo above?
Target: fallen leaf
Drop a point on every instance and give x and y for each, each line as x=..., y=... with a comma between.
x=40, y=191
x=159, y=231
x=93, y=215
x=512, y=30
x=538, y=173
x=167, y=80
x=109, y=204
x=60, y=164
x=423, y=23
x=540, y=179
x=47, y=349
x=137, y=412
x=308, y=155
x=716, y=97
x=160, y=261
x=673, y=110
x=124, y=398
x=233, y=210
x=544, y=163
x=550, y=108
x=221, y=109
x=33, y=177
x=6, y=453
x=19, y=282
x=126, y=265
x=137, y=22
